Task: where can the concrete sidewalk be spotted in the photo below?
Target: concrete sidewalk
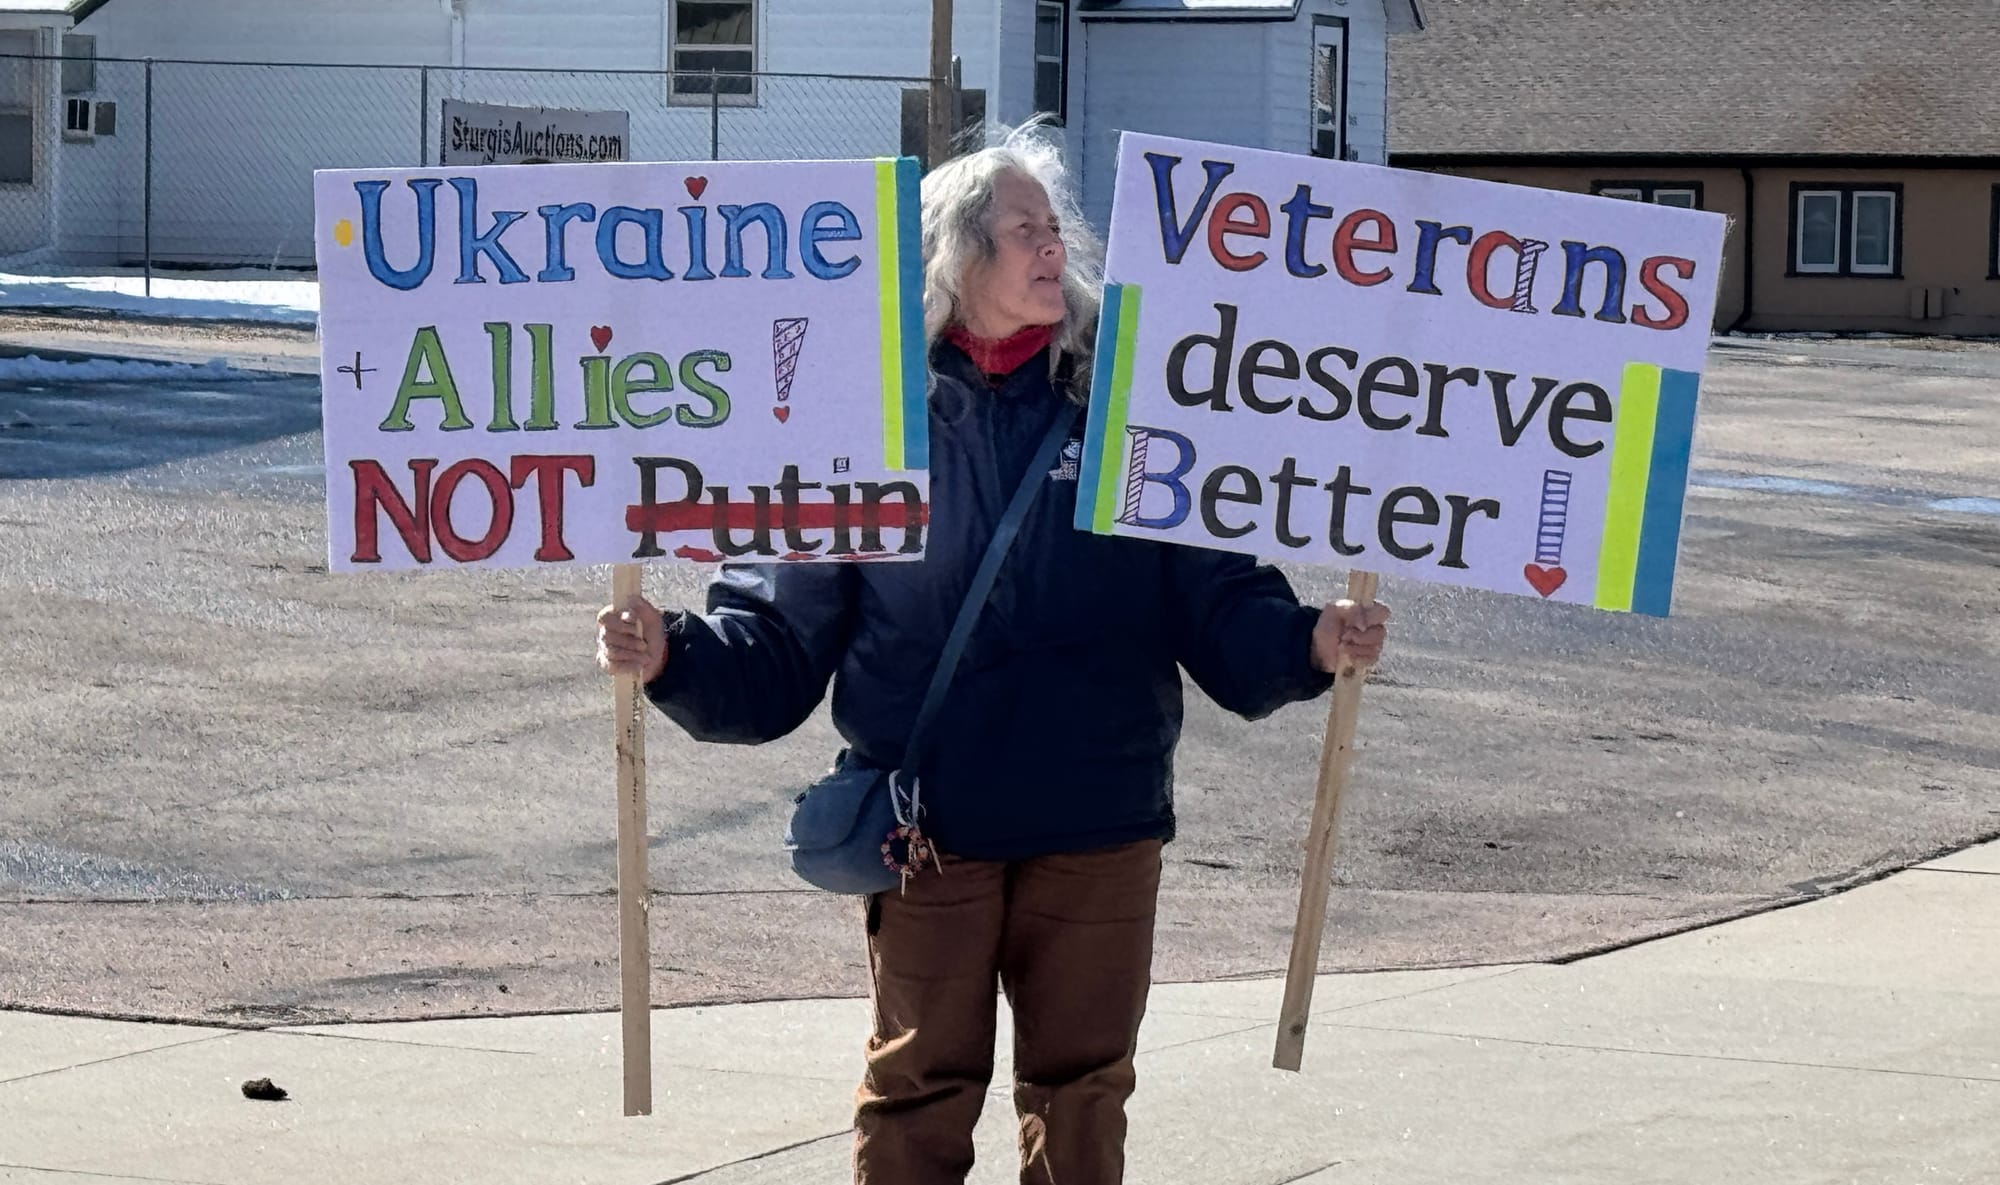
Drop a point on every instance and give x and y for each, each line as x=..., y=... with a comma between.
x=1853, y=1039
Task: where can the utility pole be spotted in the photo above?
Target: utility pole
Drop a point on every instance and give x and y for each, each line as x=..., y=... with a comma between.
x=937, y=144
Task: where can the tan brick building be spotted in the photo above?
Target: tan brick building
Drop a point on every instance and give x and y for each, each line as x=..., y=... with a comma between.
x=1854, y=144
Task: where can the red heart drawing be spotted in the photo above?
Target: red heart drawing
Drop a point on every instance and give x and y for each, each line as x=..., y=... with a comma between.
x=1545, y=580
x=696, y=186
x=600, y=336
x=783, y=413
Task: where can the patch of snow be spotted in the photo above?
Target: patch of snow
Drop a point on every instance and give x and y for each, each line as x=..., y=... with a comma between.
x=239, y=295
x=1766, y=483
x=1968, y=505
x=32, y=369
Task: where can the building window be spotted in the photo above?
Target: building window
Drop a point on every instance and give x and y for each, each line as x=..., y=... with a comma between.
x=1816, y=243
x=79, y=68
x=1684, y=194
x=17, y=108
x=1052, y=58
x=1329, y=88
x=712, y=50
x=1872, y=237
x=1846, y=230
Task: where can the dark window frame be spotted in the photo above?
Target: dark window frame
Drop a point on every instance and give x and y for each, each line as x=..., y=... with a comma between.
x=689, y=88
x=1647, y=190
x=1844, y=231
x=1340, y=110
x=1061, y=112
x=1993, y=239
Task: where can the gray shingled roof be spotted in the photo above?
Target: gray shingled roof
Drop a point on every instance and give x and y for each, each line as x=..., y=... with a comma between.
x=1724, y=77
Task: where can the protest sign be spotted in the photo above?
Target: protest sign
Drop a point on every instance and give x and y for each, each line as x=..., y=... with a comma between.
x=1432, y=377
x=584, y=364
x=1450, y=380
x=766, y=399
x=490, y=134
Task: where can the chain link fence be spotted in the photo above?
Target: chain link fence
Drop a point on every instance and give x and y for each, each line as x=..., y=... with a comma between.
x=111, y=162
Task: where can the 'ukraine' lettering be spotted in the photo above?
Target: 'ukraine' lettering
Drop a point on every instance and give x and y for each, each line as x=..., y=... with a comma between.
x=755, y=239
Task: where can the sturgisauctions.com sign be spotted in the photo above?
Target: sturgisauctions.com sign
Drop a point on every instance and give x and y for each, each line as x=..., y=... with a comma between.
x=485, y=134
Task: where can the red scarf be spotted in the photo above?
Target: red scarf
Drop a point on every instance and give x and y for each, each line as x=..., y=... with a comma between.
x=997, y=359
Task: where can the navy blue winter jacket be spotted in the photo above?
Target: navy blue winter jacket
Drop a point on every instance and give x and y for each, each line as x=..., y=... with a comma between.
x=1059, y=730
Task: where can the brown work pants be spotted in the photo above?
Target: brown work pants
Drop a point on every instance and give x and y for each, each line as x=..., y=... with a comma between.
x=1070, y=940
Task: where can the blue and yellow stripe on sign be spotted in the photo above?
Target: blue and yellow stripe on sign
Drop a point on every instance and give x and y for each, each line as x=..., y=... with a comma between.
x=899, y=230
x=1100, y=480
x=1649, y=471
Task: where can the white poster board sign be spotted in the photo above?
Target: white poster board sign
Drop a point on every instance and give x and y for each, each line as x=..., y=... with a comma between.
x=585, y=364
x=490, y=134
x=1432, y=377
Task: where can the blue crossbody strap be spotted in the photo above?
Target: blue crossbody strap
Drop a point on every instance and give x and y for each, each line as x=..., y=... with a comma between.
x=982, y=580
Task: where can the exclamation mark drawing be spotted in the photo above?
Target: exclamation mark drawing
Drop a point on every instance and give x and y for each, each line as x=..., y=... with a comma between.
x=1524, y=275
x=1546, y=574
x=788, y=338
x=1135, y=474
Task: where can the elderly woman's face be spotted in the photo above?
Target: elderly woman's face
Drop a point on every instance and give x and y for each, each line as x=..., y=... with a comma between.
x=1022, y=284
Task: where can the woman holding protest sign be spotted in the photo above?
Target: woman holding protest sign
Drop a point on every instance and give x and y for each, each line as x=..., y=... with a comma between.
x=1037, y=792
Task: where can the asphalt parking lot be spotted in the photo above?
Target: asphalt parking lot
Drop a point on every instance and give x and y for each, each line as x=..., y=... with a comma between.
x=236, y=789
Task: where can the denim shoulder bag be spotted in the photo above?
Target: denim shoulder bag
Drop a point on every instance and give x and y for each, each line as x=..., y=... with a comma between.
x=857, y=830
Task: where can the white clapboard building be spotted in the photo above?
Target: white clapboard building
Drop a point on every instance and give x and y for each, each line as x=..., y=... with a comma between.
x=245, y=98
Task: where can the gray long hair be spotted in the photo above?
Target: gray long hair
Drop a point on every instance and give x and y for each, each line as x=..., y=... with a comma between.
x=958, y=232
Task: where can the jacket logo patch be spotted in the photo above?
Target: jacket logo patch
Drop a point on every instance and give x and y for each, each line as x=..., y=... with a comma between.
x=1070, y=462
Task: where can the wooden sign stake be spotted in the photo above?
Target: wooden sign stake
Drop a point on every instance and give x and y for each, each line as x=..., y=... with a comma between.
x=634, y=905
x=1316, y=881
